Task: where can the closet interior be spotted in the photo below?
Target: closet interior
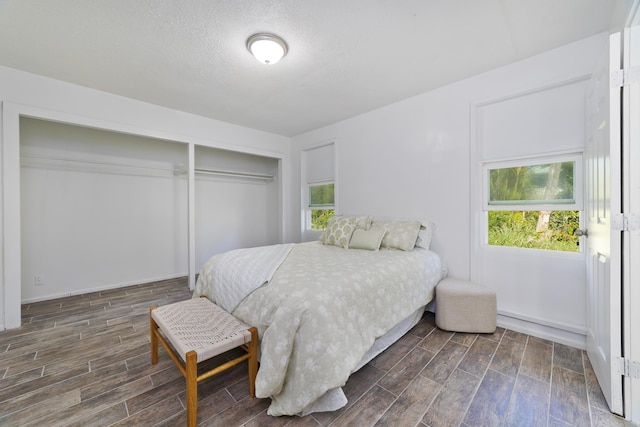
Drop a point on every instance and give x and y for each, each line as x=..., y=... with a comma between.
x=102, y=209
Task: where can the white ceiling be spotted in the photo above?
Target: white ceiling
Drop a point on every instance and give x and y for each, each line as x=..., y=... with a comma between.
x=345, y=57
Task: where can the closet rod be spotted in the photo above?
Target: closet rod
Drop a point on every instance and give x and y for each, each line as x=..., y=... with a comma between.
x=235, y=174
x=95, y=162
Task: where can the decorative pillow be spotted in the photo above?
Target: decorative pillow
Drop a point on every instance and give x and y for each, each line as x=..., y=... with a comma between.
x=367, y=239
x=400, y=234
x=339, y=231
x=362, y=222
x=425, y=234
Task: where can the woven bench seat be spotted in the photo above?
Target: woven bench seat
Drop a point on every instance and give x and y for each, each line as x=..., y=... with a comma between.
x=196, y=330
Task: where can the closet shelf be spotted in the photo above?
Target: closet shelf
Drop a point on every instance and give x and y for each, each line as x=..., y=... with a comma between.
x=96, y=162
x=176, y=171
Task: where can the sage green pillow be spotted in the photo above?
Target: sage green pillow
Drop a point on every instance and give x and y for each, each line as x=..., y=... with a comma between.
x=367, y=239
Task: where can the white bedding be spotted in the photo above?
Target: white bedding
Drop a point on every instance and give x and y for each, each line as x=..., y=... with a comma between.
x=322, y=311
x=235, y=274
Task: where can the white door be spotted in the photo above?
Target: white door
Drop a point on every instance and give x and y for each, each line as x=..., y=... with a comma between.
x=603, y=203
x=631, y=206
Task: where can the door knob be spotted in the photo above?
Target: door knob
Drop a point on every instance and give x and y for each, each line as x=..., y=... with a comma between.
x=580, y=233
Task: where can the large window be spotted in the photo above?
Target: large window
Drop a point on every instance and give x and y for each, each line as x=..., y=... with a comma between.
x=321, y=205
x=534, y=203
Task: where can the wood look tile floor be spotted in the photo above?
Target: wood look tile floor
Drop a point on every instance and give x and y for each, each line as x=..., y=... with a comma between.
x=85, y=361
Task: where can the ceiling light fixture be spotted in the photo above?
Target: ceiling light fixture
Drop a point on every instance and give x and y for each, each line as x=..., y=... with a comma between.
x=267, y=48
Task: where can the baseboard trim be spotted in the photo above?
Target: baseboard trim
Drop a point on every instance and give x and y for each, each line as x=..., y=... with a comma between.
x=101, y=288
x=573, y=338
x=581, y=330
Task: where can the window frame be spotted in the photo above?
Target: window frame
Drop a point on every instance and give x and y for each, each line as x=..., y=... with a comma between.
x=578, y=189
x=320, y=184
x=307, y=202
x=578, y=180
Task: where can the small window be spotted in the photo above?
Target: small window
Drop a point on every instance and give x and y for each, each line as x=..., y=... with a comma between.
x=320, y=195
x=550, y=230
x=534, y=203
x=542, y=184
x=321, y=205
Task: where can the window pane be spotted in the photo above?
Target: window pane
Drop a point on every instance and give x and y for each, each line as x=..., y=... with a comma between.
x=552, y=230
x=320, y=195
x=550, y=183
x=320, y=218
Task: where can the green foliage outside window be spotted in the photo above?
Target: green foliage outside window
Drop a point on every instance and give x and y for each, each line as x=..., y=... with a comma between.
x=320, y=218
x=533, y=229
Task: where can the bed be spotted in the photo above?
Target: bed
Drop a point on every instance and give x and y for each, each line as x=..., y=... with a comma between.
x=324, y=309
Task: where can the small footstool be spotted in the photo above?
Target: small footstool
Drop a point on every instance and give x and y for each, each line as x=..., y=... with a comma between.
x=463, y=306
x=196, y=330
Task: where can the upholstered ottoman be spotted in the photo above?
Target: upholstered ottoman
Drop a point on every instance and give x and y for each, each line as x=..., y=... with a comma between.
x=463, y=306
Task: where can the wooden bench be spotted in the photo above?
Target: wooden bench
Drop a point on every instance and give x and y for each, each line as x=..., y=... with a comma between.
x=196, y=330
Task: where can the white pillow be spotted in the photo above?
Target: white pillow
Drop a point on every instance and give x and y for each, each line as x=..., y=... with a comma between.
x=425, y=234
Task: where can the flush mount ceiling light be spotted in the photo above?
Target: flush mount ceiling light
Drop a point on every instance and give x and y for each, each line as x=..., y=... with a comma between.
x=267, y=48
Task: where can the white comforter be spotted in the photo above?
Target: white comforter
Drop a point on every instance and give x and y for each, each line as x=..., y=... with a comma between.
x=235, y=274
x=322, y=311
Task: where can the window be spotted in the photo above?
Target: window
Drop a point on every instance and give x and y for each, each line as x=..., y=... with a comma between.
x=321, y=205
x=317, y=180
x=534, y=203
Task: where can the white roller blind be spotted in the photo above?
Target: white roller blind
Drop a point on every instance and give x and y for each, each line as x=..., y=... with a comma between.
x=319, y=164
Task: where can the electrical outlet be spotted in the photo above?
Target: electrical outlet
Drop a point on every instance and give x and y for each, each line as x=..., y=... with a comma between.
x=38, y=280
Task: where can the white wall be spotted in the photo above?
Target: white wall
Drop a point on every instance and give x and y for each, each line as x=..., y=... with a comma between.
x=25, y=94
x=414, y=158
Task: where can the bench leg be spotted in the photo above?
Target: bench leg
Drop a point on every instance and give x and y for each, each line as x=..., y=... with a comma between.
x=192, y=388
x=153, y=332
x=253, y=361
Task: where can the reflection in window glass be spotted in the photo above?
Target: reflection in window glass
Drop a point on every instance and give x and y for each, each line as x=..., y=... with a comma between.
x=320, y=195
x=550, y=183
